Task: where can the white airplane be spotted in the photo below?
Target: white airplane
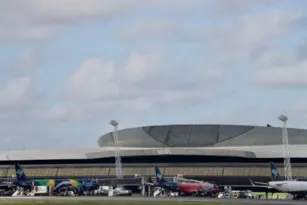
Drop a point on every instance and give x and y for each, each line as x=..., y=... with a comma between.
x=297, y=188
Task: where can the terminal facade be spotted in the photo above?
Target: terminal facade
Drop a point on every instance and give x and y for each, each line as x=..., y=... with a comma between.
x=218, y=153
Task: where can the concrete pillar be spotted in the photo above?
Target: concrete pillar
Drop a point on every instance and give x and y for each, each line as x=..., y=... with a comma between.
x=143, y=186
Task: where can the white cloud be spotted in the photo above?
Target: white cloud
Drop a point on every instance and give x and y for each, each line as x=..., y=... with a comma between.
x=222, y=7
x=15, y=93
x=271, y=67
x=228, y=43
x=214, y=11
x=252, y=32
x=294, y=75
x=302, y=51
x=92, y=81
x=267, y=59
x=139, y=76
x=35, y=19
x=138, y=83
x=142, y=82
x=96, y=79
x=28, y=59
x=139, y=67
x=214, y=8
x=297, y=112
x=300, y=107
x=23, y=63
x=148, y=28
x=251, y=41
x=281, y=68
x=60, y=112
x=137, y=104
x=26, y=62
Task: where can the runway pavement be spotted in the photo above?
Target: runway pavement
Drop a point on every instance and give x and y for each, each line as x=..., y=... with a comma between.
x=164, y=199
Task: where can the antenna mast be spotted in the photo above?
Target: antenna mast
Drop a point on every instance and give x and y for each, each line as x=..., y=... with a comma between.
x=287, y=162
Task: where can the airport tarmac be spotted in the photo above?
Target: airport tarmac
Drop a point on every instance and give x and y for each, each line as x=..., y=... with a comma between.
x=179, y=199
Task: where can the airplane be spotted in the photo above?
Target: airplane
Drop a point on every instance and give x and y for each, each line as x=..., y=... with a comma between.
x=182, y=188
x=294, y=187
x=55, y=184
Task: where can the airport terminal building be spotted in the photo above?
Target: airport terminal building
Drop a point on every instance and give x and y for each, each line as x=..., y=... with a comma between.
x=219, y=153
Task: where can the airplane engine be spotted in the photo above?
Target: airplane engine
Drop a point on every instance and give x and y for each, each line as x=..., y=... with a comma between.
x=209, y=189
x=207, y=186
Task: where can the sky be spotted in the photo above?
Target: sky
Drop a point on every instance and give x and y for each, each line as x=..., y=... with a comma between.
x=68, y=67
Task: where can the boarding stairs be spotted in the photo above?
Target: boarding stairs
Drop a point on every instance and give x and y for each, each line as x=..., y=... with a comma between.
x=18, y=192
x=158, y=192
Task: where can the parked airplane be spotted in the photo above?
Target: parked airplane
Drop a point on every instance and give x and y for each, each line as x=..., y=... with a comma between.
x=200, y=188
x=297, y=188
x=56, y=184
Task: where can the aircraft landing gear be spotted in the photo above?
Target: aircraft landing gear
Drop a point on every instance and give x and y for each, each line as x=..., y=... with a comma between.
x=196, y=194
x=299, y=197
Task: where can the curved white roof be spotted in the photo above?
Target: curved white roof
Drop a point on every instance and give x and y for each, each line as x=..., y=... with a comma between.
x=202, y=135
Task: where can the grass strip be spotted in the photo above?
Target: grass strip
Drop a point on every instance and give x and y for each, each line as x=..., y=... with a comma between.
x=106, y=202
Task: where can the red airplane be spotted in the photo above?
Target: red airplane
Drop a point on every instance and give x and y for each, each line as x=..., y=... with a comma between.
x=198, y=188
x=182, y=188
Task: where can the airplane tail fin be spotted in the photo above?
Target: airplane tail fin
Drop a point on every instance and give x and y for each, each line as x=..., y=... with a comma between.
x=19, y=172
x=274, y=172
x=159, y=176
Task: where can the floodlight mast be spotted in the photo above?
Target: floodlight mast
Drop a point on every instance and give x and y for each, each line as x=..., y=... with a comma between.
x=287, y=161
x=118, y=161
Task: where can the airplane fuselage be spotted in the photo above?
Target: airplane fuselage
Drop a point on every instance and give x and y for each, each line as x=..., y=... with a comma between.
x=170, y=186
x=58, y=183
x=191, y=188
x=289, y=186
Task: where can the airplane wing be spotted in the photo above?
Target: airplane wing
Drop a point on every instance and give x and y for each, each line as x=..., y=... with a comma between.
x=149, y=184
x=6, y=182
x=280, y=184
x=9, y=184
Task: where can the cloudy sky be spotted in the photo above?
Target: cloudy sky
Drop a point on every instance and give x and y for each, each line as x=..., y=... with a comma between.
x=69, y=66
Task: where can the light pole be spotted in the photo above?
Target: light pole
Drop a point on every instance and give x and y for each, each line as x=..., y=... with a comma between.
x=118, y=161
x=287, y=161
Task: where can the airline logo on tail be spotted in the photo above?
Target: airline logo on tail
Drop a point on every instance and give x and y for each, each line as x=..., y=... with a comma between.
x=19, y=172
x=274, y=171
x=159, y=176
x=274, y=174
